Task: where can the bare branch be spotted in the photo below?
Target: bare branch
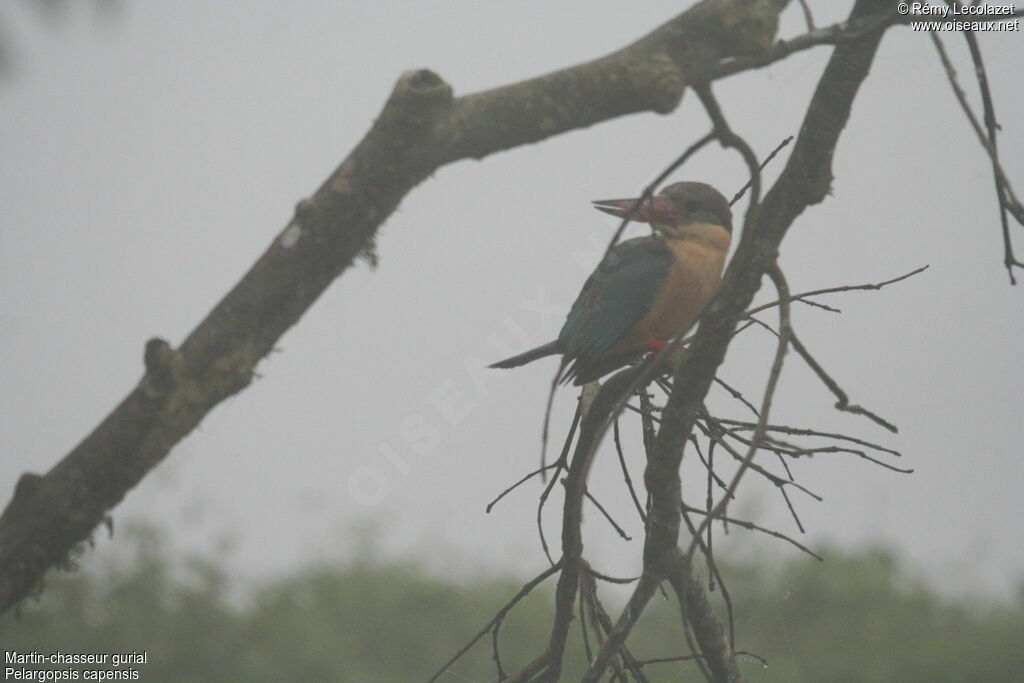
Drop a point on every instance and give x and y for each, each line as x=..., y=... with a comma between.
x=1007, y=198
x=800, y=431
x=495, y=623
x=611, y=520
x=842, y=400
x=625, y=473
x=561, y=464
x=991, y=126
x=686, y=658
x=750, y=526
x=767, y=160
x=736, y=395
x=774, y=479
x=842, y=288
x=519, y=483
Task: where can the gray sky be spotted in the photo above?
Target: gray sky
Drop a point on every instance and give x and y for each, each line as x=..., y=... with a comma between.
x=147, y=161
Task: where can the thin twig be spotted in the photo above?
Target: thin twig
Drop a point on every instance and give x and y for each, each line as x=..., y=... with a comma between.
x=991, y=126
x=773, y=478
x=800, y=431
x=844, y=288
x=1009, y=201
x=710, y=501
x=750, y=526
x=547, y=416
x=583, y=630
x=610, y=579
x=704, y=461
x=782, y=461
x=648, y=192
x=743, y=190
x=608, y=516
x=736, y=395
x=686, y=658
x=558, y=465
x=842, y=400
x=540, y=512
x=519, y=483
x=768, y=443
x=523, y=592
x=780, y=447
x=808, y=17
x=792, y=510
x=625, y=472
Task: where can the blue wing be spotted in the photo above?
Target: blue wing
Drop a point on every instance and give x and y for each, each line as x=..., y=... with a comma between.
x=615, y=297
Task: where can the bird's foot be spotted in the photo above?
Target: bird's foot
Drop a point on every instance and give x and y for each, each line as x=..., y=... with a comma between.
x=653, y=344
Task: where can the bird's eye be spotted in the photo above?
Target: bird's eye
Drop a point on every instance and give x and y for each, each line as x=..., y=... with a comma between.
x=692, y=205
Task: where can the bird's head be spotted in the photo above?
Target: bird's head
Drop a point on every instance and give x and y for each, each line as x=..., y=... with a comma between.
x=674, y=208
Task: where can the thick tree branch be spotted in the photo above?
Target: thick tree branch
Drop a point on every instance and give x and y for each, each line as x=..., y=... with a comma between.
x=421, y=128
x=696, y=611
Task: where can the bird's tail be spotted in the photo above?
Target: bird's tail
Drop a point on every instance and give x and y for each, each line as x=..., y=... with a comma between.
x=549, y=349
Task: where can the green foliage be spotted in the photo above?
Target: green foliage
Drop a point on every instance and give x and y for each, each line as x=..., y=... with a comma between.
x=857, y=617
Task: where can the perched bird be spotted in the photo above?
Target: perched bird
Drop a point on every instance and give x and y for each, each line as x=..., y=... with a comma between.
x=647, y=290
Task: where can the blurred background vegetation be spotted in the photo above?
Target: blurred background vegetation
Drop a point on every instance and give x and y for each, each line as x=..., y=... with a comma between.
x=856, y=617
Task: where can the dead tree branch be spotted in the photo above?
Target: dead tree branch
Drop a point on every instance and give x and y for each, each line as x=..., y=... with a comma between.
x=1008, y=201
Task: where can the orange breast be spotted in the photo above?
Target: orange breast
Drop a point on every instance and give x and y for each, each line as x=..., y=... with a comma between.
x=693, y=279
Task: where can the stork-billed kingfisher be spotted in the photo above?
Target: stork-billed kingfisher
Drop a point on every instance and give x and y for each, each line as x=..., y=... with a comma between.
x=647, y=290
